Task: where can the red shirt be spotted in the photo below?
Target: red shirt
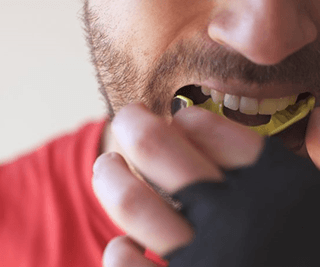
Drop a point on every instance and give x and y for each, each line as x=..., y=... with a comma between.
x=49, y=215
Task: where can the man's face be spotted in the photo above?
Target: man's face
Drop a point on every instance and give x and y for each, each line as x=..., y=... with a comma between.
x=246, y=51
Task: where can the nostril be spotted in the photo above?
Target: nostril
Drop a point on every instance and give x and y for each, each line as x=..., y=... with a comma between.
x=266, y=36
x=217, y=40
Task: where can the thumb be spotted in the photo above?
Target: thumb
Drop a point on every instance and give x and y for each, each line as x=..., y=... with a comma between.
x=313, y=137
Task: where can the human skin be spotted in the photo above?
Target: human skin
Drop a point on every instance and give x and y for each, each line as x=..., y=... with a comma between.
x=171, y=156
x=144, y=51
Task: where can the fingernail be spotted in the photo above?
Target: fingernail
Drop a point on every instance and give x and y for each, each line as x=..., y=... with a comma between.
x=102, y=159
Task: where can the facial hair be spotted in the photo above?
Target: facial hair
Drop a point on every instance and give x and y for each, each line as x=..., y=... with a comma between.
x=121, y=81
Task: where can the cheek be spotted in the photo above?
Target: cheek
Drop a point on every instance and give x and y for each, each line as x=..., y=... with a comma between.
x=115, y=17
x=149, y=27
x=160, y=23
x=313, y=8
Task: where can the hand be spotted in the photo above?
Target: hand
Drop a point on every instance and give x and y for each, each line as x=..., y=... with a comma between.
x=194, y=147
x=313, y=137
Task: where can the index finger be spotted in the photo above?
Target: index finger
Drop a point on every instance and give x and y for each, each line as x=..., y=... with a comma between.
x=313, y=137
x=136, y=209
x=159, y=151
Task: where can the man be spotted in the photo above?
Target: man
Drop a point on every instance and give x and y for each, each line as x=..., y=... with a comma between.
x=256, y=56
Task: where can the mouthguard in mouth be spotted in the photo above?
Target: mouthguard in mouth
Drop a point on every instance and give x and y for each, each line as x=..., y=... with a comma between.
x=279, y=121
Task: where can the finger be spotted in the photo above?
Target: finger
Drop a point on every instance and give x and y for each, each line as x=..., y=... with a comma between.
x=229, y=144
x=313, y=137
x=123, y=252
x=138, y=210
x=159, y=151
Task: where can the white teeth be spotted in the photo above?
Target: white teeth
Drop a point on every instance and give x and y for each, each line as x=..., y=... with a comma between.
x=268, y=107
x=283, y=103
x=232, y=101
x=293, y=99
x=217, y=97
x=250, y=106
x=271, y=106
x=205, y=90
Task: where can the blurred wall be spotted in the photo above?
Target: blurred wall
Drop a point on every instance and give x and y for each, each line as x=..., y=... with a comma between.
x=47, y=84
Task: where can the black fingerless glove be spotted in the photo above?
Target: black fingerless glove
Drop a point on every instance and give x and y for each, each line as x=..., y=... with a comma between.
x=264, y=215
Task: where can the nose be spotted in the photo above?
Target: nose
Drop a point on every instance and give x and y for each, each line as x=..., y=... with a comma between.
x=264, y=31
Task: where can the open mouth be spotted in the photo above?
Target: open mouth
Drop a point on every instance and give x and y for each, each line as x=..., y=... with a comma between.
x=254, y=113
x=247, y=111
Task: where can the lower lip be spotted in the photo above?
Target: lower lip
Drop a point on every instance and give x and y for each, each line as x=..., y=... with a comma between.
x=248, y=120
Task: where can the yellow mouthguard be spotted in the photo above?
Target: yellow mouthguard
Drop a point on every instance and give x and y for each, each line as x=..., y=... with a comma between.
x=278, y=122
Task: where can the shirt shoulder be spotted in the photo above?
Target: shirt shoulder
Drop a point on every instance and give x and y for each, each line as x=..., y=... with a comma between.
x=58, y=157
x=48, y=208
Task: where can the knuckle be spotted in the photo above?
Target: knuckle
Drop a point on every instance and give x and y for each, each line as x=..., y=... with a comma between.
x=117, y=252
x=132, y=202
x=100, y=163
x=104, y=165
x=115, y=244
x=149, y=138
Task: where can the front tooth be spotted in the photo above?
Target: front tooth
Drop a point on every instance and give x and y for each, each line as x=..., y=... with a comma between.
x=217, y=97
x=268, y=107
x=249, y=105
x=282, y=103
x=231, y=101
x=293, y=99
x=205, y=90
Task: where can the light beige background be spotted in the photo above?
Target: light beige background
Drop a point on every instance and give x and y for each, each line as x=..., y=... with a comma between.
x=47, y=84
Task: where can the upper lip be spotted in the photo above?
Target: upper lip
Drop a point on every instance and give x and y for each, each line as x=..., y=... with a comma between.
x=237, y=88
x=269, y=91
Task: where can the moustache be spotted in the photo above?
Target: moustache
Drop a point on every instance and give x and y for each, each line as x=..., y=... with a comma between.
x=219, y=62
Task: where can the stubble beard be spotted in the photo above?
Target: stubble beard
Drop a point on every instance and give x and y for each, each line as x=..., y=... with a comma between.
x=121, y=81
